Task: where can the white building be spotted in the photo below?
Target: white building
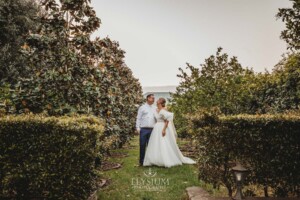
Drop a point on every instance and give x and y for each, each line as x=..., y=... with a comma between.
x=159, y=91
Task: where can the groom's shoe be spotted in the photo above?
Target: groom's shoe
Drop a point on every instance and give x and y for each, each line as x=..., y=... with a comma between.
x=139, y=165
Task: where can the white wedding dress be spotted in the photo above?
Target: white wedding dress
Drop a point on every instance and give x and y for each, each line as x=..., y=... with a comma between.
x=164, y=151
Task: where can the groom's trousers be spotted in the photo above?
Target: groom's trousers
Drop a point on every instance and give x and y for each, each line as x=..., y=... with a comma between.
x=144, y=139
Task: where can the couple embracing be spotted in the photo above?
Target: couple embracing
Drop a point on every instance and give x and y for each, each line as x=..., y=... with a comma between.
x=158, y=144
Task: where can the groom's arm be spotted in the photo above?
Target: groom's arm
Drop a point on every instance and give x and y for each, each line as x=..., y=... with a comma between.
x=138, y=119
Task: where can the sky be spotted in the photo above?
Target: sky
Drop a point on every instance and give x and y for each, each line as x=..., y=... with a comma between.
x=159, y=36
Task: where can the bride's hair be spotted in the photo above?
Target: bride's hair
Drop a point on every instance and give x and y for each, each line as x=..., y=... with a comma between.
x=162, y=102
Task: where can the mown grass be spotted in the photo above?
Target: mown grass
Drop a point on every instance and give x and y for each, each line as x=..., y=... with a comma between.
x=124, y=180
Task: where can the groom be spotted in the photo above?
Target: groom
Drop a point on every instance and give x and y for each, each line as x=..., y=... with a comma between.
x=145, y=122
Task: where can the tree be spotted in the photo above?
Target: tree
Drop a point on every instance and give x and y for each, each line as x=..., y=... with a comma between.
x=291, y=17
x=59, y=60
x=17, y=18
x=67, y=72
x=221, y=82
x=287, y=79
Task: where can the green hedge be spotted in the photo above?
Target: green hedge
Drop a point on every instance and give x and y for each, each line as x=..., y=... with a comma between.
x=50, y=157
x=267, y=144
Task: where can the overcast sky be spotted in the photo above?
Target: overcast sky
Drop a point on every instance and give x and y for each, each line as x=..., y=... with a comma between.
x=159, y=36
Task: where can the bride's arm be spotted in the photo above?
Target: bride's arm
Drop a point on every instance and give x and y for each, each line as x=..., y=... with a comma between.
x=167, y=116
x=165, y=128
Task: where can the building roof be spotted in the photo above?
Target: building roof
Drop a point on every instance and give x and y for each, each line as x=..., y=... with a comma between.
x=155, y=89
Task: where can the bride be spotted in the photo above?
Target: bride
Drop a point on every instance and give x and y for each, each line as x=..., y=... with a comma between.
x=162, y=149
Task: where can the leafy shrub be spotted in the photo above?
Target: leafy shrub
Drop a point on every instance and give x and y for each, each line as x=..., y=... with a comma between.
x=17, y=18
x=63, y=71
x=68, y=72
x=224, y=83
x=220, y=81
x=267, y=144
x=48, y=157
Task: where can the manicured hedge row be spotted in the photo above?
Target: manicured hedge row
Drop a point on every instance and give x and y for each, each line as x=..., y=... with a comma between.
x=267, y=144
x=51, y=157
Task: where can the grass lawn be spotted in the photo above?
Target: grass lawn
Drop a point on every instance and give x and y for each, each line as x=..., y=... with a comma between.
x=169, y=183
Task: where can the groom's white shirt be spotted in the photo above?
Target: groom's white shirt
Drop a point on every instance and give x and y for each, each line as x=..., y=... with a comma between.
x=145, y=117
